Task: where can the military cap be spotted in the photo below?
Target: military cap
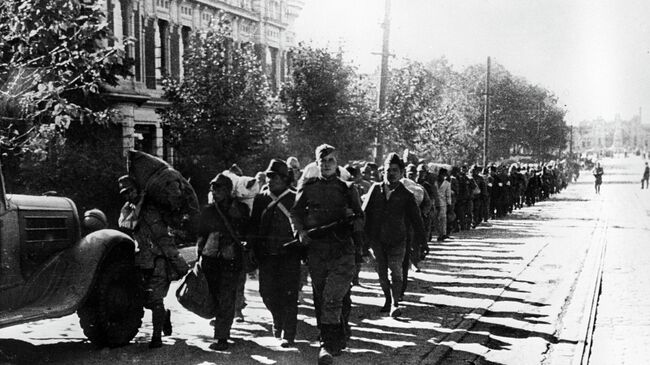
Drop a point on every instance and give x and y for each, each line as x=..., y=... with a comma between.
x=277, y=167
x=126, y=183
x=422, y=167
x=324, y=150
x=95, y=219
x=353, y=170
x=293, y=162
x=222, y=180
x=393, y=158
x=411, y=168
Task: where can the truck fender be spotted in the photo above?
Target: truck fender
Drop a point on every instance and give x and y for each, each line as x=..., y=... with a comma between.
x=62, y=285
x=93, y=251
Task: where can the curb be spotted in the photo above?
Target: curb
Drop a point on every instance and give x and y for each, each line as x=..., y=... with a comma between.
x=438, y=352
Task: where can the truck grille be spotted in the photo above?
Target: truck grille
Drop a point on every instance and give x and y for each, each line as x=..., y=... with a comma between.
x=46, y=229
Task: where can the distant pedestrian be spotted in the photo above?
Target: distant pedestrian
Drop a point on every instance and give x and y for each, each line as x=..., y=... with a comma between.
x=598, y=173
x=646, y=176
x=442, y=203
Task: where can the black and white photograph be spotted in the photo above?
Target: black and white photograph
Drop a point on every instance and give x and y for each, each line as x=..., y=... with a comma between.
x=331, y=182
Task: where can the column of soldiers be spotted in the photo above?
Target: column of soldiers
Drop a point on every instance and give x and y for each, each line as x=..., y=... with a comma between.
x=332, y=221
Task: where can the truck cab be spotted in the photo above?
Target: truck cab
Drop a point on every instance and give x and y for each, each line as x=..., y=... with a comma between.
x=48, y=269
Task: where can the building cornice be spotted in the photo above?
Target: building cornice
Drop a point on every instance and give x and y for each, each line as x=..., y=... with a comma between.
x=222, y=5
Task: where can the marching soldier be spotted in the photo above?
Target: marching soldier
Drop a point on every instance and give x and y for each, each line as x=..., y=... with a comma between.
x=157, y=256
x=390, y=210
x=279, y=267
x=322, y=201
x=220, y=248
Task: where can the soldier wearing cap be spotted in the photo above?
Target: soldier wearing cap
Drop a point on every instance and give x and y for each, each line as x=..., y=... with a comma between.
x=156, y=255
x=294, y=166
x=390, y=209
x=331, y=253
x=279, y=267
x=222, y=225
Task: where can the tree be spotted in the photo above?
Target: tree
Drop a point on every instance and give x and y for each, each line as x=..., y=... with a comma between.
x=427, y=111
x=55, y=56
x=326, y=102
x=524, y=118
x=220, y=112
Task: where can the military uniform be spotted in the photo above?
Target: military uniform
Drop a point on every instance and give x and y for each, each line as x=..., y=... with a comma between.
x=221, y=256
x=331, y=254
x=156, y=256
x=279, y=267
x=389, y=214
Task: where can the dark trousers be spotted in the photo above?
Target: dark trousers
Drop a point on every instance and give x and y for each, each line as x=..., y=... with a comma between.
x=390, y=257
x=461, y=214
x=279, y=278
x=331, y=267
x=478, y=211
x=222, y=279
x=485, y=208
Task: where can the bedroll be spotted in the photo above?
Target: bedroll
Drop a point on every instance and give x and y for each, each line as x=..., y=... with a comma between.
x=167, y=189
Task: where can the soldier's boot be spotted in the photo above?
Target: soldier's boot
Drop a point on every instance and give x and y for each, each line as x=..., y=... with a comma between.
x=389, y=300
x=342, y=335
x=328, y=347
x=396, y=310
x=277, y=325
x=167, y=326
x=158, y=318
x=325, y=357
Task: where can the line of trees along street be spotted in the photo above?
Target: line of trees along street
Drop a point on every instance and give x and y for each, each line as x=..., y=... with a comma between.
x=223, y=110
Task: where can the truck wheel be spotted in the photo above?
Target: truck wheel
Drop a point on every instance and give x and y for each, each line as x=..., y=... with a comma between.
x=112, y=314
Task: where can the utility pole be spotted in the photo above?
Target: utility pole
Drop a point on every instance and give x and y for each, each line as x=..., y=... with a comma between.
x=486, y=115
x=570, y=141
x=383, y=81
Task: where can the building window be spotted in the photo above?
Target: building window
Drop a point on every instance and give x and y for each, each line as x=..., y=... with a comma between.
x=206, y=17
x=186, y=10
x=144, y=138
x=274, y=9
x=246, y=27
x=162, y=4
x=272, y=33
x=246, y=4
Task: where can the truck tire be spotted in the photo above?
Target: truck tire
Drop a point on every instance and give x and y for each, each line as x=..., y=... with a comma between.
x=112, y=314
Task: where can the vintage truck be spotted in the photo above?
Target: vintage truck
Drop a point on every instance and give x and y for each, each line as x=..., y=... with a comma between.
x=48, y=269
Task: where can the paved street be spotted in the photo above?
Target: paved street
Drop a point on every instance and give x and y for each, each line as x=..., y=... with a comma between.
x=517, y=291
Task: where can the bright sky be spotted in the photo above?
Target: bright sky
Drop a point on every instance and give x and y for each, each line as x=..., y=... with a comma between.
x=593, y=54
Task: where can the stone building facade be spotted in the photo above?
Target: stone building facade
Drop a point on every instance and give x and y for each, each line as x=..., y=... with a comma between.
x=160, y=31
x=599, y=136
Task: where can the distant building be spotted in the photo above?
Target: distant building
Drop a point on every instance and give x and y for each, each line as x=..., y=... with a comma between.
x=599, y=136
x=161, y=29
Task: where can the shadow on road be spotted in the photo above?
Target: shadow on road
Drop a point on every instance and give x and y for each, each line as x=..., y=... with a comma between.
x=460, y=278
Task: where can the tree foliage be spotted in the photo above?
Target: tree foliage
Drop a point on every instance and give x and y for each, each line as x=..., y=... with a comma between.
x=220, y=112
x=524, y=118
x=326, y=102
x=54, y=59
x=427, y=110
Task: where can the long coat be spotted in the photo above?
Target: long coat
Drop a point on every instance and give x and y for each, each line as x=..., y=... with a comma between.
x=387, y=219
